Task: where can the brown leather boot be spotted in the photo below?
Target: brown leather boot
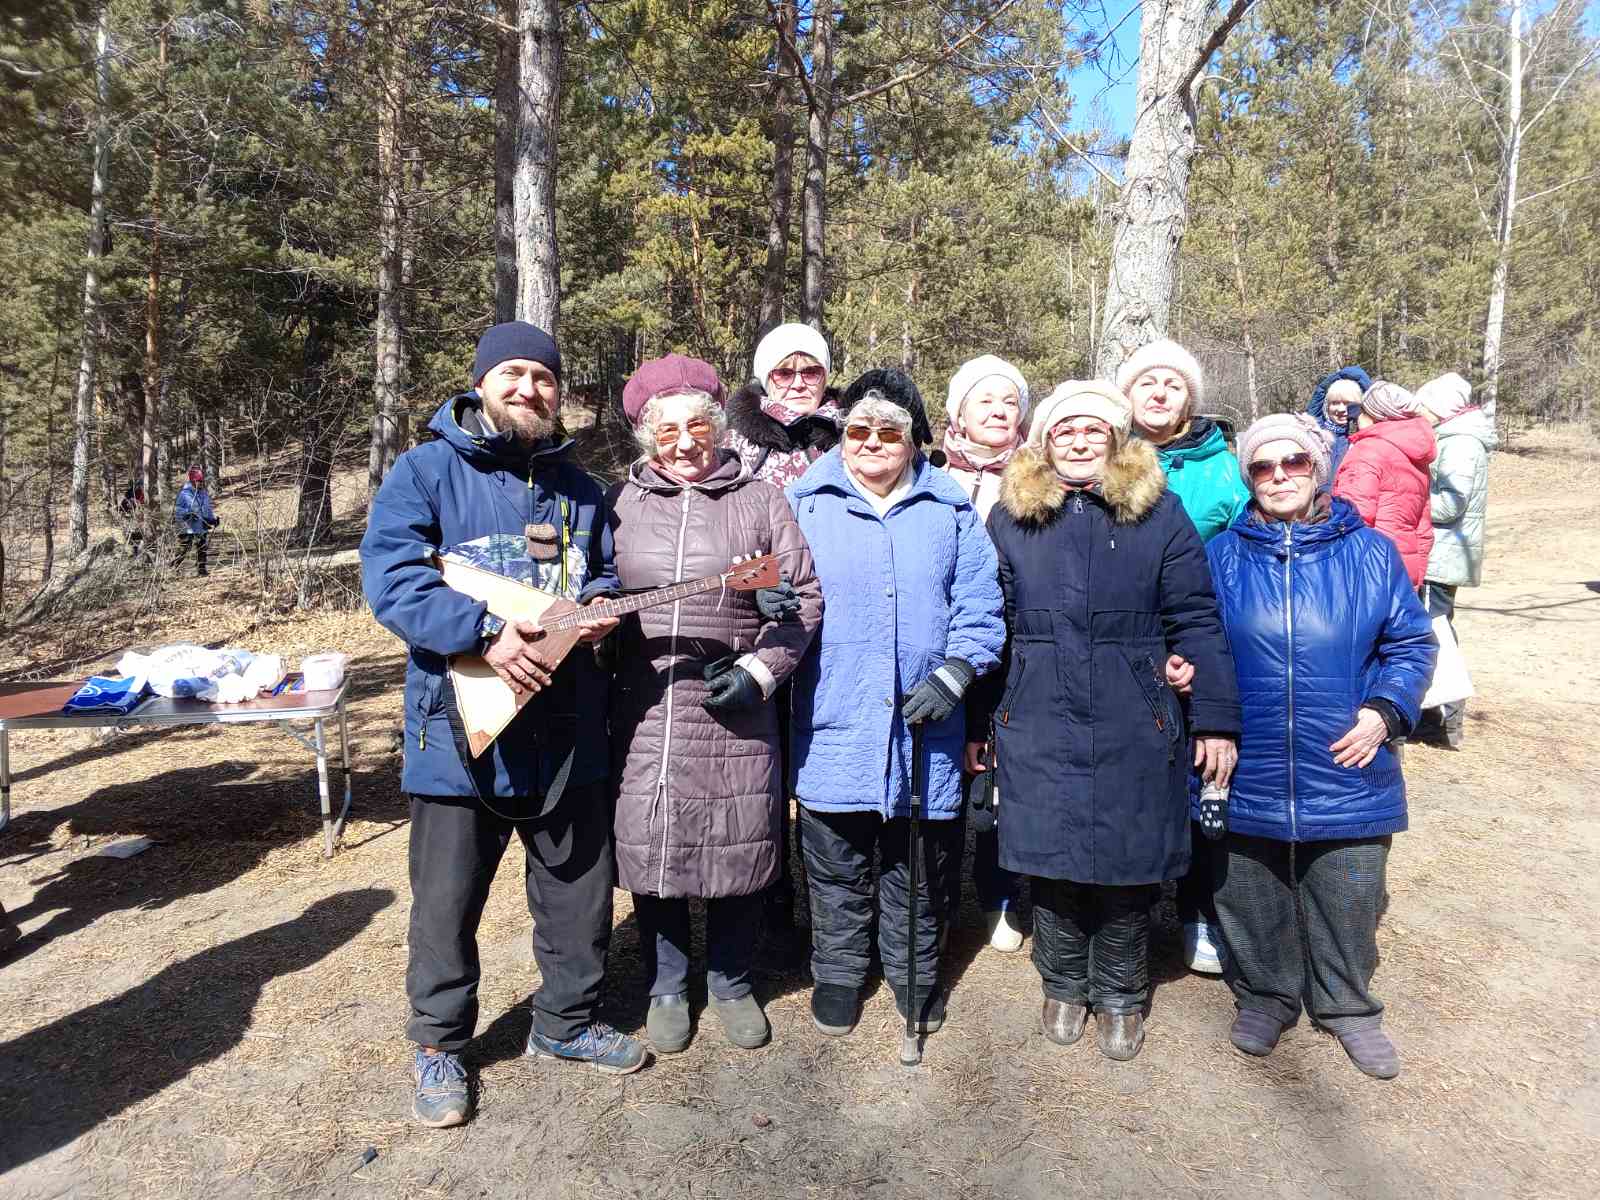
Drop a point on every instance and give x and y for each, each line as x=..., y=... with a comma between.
x=1121, y=1033
x=1063, y=1022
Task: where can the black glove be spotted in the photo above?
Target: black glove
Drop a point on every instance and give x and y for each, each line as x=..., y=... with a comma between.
x=980, y=802
x=779, y=603
x=732, y=688
x=214, y=522
x=1213, y=811
x=936, y=697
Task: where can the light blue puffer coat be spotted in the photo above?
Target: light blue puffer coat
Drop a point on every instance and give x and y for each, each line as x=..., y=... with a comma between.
x=901, y=593
x=1459, y=498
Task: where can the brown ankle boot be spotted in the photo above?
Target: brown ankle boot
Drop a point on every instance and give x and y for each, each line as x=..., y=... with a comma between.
x=1063, y=1022
x=1121, y=1033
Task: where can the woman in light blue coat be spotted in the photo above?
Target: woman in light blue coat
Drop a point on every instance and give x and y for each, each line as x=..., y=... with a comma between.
x=911, y=616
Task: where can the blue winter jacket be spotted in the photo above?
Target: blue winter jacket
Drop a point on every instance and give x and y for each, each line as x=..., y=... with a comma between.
x=192, y=510
x=1317, y=408
x=901, y=593
x=472, y=493
x=1322, y=619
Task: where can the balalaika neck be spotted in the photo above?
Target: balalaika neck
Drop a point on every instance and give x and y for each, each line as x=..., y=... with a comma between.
x=624, y=605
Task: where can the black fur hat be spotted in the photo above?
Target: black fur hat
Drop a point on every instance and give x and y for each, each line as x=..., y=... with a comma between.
x=898, y=388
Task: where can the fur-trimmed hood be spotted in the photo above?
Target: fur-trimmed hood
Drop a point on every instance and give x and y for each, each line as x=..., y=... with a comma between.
x=1031, y=491
x=747, y=420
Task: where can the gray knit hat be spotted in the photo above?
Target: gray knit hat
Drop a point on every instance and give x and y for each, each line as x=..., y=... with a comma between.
x=1298, y=428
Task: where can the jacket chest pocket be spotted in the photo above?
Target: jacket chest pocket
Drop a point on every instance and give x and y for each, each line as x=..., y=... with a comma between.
x=1148, y=677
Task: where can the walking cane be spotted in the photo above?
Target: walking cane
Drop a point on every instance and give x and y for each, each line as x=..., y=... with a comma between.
x=910, y=1043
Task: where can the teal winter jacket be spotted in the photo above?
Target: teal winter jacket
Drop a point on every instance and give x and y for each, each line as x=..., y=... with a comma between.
x=1203, y=473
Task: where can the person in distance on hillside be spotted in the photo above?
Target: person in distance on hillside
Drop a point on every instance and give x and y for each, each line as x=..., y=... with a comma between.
x=196, y=519
x=498, y=488
x=1165, y=386
x=700, y=792
x=1333, y=652
x=1104, y=580
x=912, y=617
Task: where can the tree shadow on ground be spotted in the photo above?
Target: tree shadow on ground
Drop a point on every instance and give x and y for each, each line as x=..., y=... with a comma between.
x=211, y=825
x=59, y=1081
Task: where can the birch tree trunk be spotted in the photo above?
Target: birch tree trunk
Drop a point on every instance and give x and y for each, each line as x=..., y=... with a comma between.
x=775, y=275
x=389, y=380
x=1494, y=324
x=1153, y=208
x=508, y=43
x=814, y=201
x=534, y=180
x=89, y=357
x=1252, y=397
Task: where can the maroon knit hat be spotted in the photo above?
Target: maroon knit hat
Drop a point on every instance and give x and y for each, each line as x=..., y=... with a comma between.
x=666, y=376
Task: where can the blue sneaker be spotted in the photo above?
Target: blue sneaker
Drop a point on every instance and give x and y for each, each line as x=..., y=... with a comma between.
x=441, y=1081
x=601, y=1046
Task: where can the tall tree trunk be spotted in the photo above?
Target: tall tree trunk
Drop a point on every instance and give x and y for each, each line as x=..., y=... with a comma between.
x=1153, y=207
x=319, y=434
x=508, y=44
x=389, y=381
x=89, y=358
x=1330, y=249
x=1494, y=325
x=781, y=124
x=1252, y=398
x=150, y=430
x=534, y=181
x=814, y=201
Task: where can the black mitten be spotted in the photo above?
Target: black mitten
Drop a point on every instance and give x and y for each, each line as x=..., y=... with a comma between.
x=1213, y=811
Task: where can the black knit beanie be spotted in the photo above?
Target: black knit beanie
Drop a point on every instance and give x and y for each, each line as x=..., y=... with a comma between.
x=898, y=388
x=514, y=339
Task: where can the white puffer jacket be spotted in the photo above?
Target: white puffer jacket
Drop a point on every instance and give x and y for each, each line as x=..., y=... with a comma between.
x=1459, y=497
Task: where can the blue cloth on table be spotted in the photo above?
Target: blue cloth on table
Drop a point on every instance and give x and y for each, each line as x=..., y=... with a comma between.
x=119, y=694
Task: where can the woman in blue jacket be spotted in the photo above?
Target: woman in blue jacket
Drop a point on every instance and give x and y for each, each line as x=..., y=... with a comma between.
x=1104, y=577
x=911, y=617
x=1333, y=652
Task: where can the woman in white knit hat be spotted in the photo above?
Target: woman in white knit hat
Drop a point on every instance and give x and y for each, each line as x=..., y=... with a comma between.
x=1165, y=386
x=1104, y=579
x=787, y=417
x=1458, y=499
x=986, y=413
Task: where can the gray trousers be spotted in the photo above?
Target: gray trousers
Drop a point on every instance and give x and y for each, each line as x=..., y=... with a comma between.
x=1301, y=923
x=456, y=845
x=733, y=924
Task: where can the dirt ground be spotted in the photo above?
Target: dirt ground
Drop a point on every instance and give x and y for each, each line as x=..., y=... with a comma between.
x=222, y=1015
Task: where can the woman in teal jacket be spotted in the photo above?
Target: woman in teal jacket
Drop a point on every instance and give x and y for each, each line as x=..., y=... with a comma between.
x=1163, y=382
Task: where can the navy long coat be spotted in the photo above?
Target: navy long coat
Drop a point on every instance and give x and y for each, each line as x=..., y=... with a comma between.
x=1092, y=745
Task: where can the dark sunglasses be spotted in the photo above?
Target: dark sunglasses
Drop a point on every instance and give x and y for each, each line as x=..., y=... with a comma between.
x=860, y=433
x=784, y=376
x=1295, y=466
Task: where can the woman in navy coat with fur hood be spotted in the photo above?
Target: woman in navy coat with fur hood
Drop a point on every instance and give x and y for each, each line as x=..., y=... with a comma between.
x=1104, y=577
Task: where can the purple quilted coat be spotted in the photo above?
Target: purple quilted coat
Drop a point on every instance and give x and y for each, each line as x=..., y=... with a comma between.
x=699, y=793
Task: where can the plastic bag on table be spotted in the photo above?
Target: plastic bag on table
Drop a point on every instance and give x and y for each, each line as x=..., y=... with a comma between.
x=185, y=671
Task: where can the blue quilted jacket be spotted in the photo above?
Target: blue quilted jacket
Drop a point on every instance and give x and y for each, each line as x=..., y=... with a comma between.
x=1321, y=618
x=901, y=593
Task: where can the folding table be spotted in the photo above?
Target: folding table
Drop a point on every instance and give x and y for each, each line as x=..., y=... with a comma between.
x=39, y=706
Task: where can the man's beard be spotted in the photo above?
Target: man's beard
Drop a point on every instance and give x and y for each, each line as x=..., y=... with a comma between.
x=523, y=424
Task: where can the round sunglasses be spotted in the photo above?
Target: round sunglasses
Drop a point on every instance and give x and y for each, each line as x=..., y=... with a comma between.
x=784, y=376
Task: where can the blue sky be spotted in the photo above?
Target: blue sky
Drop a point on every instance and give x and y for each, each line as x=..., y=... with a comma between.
x=1102, y=92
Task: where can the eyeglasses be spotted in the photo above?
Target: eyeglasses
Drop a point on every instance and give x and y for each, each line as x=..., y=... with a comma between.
x=667, y=435
x=860, y=433
x=1295, y=466
x=1095, y=435
x=810, y=376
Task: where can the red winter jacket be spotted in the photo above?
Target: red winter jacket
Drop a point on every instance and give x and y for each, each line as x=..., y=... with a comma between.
x=1385, y=475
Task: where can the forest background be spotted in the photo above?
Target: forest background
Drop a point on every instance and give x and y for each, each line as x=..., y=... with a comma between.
x=264, y=231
